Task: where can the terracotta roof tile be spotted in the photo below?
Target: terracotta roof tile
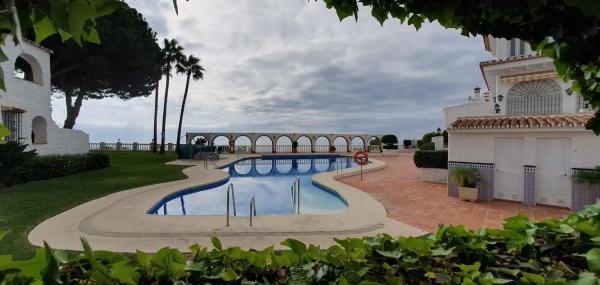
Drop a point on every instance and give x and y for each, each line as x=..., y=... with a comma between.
x=542, y=121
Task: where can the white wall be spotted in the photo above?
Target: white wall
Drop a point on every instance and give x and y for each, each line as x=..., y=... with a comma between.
x=34, y=98
x=478, y=146
x=468, y=110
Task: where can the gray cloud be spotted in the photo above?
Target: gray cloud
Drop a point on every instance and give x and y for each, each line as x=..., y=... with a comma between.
x=292, y=66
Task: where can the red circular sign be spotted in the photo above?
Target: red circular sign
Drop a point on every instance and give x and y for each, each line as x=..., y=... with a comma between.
x=361, y=158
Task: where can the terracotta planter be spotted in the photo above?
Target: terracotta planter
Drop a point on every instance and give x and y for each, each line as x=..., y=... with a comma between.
x=468, y=193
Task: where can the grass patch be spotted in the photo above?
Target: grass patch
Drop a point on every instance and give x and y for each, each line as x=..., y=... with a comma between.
x=24, y=206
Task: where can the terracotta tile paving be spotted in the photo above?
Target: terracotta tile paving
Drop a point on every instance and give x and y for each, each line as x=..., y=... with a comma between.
x=426, y=205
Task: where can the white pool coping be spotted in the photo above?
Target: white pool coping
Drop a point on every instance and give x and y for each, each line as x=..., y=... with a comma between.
x=119, y=221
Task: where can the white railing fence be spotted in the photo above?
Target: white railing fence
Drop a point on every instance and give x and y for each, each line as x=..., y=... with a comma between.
x=119, y=146
x=142, y=147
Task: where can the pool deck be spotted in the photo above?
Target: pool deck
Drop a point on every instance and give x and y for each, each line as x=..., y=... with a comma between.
x=118, y=222
x=426, y=205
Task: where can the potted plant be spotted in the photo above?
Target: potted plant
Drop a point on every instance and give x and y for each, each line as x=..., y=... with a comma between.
x=591, y=178
x=332, y=148
x=295, y=146
x=467, y=179
x=390, y=145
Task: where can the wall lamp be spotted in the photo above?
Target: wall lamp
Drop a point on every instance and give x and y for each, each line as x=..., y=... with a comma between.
x=500, y=97
x=497, y=108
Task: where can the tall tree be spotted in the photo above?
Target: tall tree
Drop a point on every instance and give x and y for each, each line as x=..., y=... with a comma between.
x=172, y=55
x=192, y=69
x=126, y=64
x=154, y=138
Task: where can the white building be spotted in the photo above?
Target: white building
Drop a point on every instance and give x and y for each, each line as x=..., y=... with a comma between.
x=526, y=134
x=25, y=106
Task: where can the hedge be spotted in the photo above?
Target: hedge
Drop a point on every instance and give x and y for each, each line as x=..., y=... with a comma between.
x=427, y=146
x=431, y=159
x=565, y=251
x=52, y=166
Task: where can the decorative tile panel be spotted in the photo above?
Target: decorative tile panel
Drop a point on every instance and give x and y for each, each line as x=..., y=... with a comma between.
x=529, y=185
x=486, y=188
x=583, y=194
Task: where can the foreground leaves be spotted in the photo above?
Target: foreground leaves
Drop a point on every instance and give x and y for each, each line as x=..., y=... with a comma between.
x=565, y=251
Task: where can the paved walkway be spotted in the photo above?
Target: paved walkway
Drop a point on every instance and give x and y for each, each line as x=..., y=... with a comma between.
x=426, y=205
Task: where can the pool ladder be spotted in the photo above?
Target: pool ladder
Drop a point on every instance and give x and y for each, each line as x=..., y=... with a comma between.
x=230, y=193
x=295, y=192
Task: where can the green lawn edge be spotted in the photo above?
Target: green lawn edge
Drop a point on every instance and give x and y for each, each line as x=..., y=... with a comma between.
x=26, y=205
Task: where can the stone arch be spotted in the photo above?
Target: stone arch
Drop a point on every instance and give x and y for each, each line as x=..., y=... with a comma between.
x=536, y=97
x=374, y=144
x=28, y=68
x=221, y=142
x=341, y=144
x=357, y=144
x=39, y=130
x=304, y=144
x=283, y=144
x=243, y=143
x=322, y=144
x=263, y=144
x=199, y=140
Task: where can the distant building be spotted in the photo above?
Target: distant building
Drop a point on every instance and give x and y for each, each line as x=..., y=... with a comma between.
x=526, y=134
x=25, y=106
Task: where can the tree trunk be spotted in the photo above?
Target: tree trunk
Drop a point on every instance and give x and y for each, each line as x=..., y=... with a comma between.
x=155, y=137
x=185, y=93
x=72, y=109
x=164, y=117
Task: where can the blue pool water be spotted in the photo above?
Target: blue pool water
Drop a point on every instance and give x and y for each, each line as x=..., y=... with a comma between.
x=269, y=180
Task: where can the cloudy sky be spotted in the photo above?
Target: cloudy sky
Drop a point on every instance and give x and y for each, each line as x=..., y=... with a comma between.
x=291, y=66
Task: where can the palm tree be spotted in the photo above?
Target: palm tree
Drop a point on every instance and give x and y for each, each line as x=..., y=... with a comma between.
x=192, y=68
x=173, y=54
x=154, y=138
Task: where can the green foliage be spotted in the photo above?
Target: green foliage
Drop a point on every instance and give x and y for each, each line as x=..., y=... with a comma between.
x=4, y=132
x=566, y=31
x=427, y=146
x=465, y=176
x=407, y=143
x=127, y=64
x=588, y=177
x=431, y=159
x=427, y=138
x=71, y=19
x=389, y=140
x=52, y=166
x=554, y=251
x=295, y=144
x=13, y=160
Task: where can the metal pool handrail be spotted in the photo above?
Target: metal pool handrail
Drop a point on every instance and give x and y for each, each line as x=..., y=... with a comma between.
x=230, y=189
x=252, y=209
x=296, y=194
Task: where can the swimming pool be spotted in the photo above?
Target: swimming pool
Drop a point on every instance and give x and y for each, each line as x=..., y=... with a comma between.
x=269, y=179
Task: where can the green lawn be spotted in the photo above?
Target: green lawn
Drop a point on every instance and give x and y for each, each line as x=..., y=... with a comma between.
x=24, y=206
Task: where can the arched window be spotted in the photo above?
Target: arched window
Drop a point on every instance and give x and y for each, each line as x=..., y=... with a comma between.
x=38, y=131
x=537, y=97
x=27, y=68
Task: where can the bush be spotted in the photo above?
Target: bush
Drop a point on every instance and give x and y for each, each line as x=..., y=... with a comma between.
x=431, y=159
x=389, y=139
x=427, y=146
x=555, y=251
x=13, y=158
x=465, y=176
x=407, y=143
x=52, y=166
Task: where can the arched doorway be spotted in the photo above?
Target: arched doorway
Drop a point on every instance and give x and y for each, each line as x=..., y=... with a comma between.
x=341, y=144
x=358, y=144
x=304, y=144
x=322, y=144
x=283, y=144
x=221, y=143
x=264, y=144
x=243, y=144
x=39, y=133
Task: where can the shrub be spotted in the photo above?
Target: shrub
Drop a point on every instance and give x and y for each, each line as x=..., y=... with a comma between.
x=427, y=146
x=407, y=143
x=555, y=251
x=431, y=159
x=52, y=166
x=465, y=176
x=13, y=158
x=389, y=140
